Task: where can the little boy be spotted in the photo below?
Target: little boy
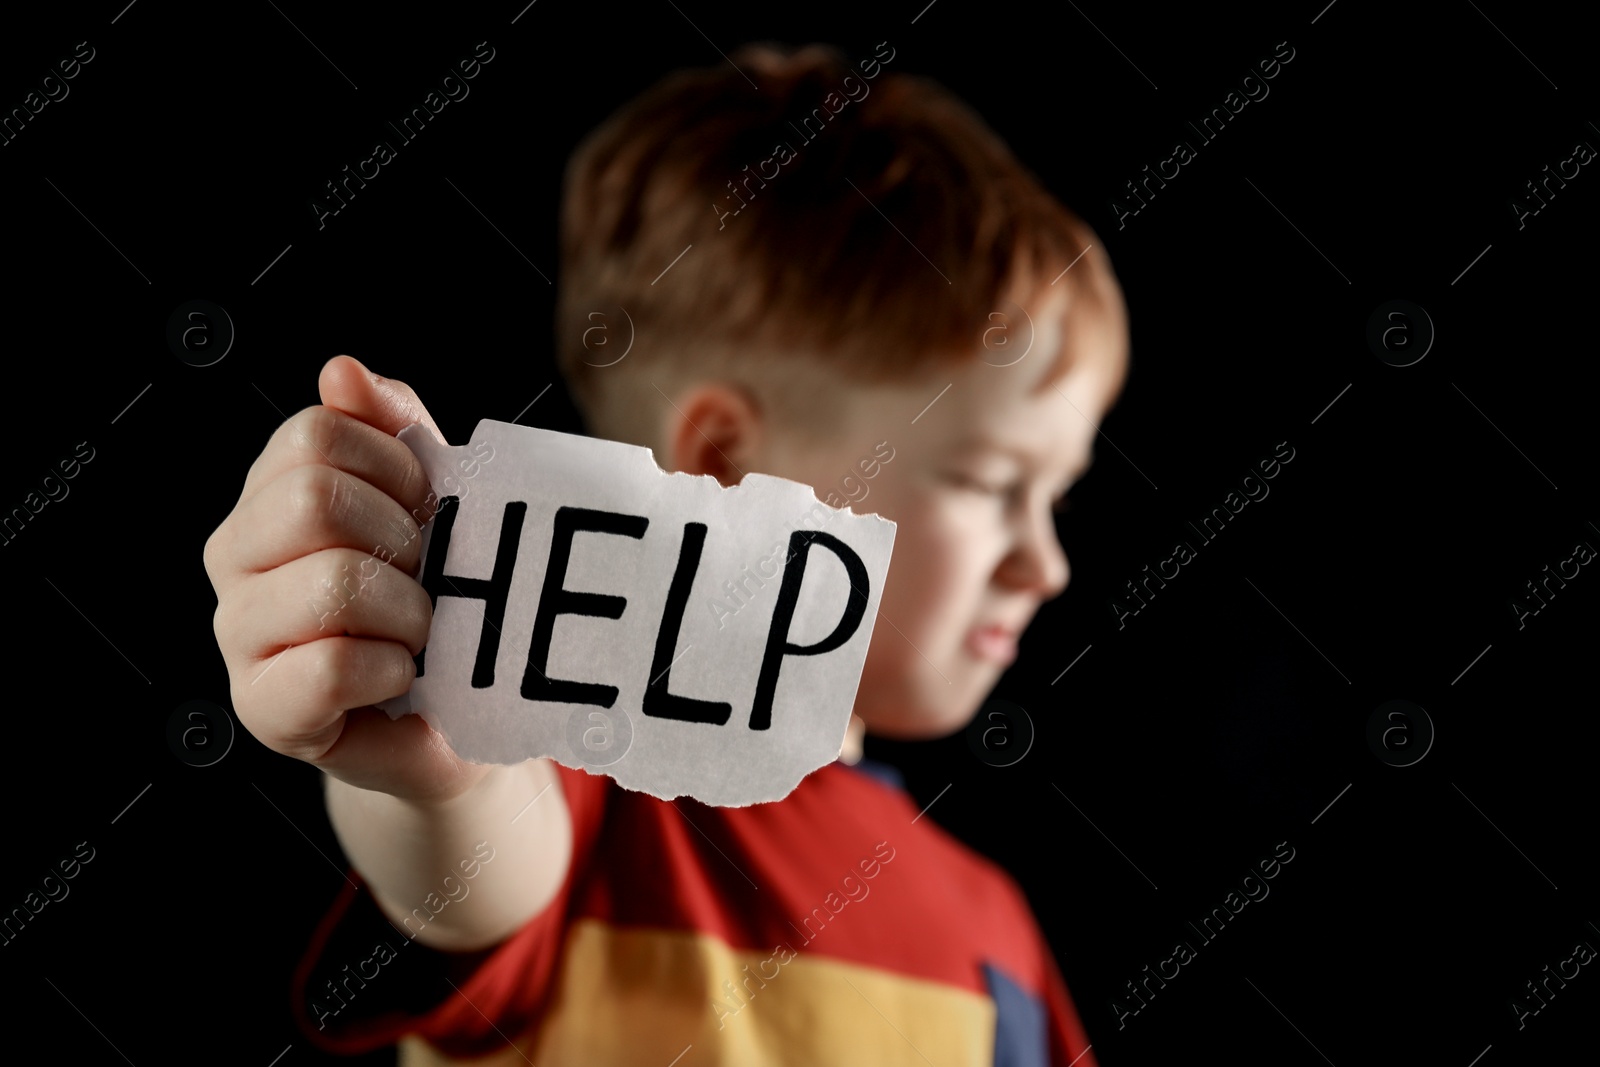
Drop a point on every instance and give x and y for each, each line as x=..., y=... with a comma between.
x=842, y=271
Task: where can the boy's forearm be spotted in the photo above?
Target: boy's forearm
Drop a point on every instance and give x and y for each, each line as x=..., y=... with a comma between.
x=465, y=873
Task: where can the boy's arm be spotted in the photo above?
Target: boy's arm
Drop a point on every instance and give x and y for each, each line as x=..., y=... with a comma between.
x=315, y=630
x=466, y=872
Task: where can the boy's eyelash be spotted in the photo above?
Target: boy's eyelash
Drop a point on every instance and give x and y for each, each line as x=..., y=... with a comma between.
x=969, y=482
x=1060, y=506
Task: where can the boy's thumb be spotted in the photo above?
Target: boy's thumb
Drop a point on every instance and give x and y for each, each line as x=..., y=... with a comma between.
x=383, y=403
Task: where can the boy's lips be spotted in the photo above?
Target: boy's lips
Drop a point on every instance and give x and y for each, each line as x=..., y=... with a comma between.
x=995, y=643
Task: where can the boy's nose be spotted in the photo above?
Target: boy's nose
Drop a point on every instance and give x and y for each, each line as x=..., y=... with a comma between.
x=1037, y=562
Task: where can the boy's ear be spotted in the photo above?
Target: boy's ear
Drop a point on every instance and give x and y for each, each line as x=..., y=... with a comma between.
x=715, y=428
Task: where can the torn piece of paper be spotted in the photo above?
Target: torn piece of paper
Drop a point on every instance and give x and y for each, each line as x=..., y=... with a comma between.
x=681, y=637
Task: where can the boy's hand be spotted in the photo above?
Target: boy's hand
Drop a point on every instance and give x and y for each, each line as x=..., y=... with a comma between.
x=313, y=627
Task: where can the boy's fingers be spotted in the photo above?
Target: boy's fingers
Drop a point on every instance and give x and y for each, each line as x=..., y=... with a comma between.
x=295, y=702
x=330, y=437
x=374, y=752
x=383, y=403
x=314, y=507
x=337, y=592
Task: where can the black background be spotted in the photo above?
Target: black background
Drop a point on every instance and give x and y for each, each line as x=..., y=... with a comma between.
x=1221, y=720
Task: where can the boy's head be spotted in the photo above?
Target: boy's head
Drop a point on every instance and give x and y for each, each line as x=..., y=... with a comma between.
x=841, y=276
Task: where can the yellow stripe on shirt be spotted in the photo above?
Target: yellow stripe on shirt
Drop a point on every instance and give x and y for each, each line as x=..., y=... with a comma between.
x=657, y=997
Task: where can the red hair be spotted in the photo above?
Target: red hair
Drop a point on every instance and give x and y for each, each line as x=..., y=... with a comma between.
x=840, y=214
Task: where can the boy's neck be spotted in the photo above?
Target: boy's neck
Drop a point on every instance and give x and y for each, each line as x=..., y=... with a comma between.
x=850, y=751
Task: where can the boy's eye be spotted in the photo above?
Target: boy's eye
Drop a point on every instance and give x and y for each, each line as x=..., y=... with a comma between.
x=978, y=485
x=1004, y=490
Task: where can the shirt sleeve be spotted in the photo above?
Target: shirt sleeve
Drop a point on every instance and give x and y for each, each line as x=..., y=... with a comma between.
x=363, y=983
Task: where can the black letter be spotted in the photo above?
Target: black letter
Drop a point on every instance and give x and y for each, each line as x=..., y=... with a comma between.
x=554, y=600
x=661, y=702
x=493, y=592
x=778, y=644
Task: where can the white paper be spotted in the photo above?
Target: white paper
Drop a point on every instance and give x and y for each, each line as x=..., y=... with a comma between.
x=718, y=652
